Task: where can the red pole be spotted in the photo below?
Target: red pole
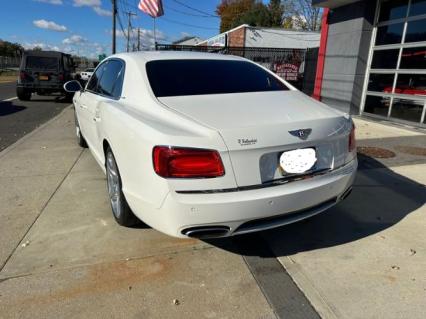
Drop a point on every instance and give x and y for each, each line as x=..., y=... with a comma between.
x=321, y=55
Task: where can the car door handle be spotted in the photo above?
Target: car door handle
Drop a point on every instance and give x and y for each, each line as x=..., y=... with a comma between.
x=96, y=119
x=83, y=106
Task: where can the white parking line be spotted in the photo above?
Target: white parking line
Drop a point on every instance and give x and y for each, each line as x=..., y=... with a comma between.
x=11, y=99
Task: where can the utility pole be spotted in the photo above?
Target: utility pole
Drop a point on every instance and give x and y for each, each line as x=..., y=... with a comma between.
x=129, y=25
x=139, y=39
x=114, y=14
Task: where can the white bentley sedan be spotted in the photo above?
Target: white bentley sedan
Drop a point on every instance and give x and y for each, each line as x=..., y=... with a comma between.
x=205, y=145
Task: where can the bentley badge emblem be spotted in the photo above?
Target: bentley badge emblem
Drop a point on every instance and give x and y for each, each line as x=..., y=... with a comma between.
x=302, y=133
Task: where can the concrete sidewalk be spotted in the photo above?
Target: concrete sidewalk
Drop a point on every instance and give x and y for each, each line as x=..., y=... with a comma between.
x=63, y=255
x=366, y=257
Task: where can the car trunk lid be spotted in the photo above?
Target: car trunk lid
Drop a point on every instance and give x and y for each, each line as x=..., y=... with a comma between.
x=256, y=129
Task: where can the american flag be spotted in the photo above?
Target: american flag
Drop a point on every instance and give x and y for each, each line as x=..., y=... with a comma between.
x=152, y=7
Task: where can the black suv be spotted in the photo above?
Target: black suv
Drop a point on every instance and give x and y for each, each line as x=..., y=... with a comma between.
x=43, y=72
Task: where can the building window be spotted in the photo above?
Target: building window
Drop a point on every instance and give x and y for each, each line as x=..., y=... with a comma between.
x=381, y=82
x=418, y=7
x=413, y=58
x=393, y=9
x=389, y=34
x=385, y=59
x=416, y=31
x=396, y=85
x=409, y=110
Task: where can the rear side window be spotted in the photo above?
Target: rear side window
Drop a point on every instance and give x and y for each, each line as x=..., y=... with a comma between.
x=197, y=77
x=111, y=81
x=42, y=63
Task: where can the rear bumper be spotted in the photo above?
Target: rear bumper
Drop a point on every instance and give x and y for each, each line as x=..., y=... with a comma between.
x=54, y=87
x=249, y=210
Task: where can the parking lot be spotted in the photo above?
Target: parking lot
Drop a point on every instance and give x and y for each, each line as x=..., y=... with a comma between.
x=63, y=256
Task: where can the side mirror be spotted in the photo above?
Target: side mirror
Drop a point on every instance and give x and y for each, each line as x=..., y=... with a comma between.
x=72, y=86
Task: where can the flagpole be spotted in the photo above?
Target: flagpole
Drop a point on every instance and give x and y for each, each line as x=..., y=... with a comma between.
x=155, y=35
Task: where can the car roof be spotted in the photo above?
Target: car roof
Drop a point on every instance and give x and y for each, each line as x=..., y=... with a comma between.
x=146, y=56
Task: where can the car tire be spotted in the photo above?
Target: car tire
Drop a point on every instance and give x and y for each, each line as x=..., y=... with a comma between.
x=80, y=138
x=23, y=94
x=120, y=209
x=69, y=97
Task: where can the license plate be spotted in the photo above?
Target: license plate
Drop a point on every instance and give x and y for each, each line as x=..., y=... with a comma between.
x=43, y=77
x=298, y=161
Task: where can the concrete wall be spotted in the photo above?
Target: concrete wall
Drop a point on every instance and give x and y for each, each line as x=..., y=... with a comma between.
x=349, y=37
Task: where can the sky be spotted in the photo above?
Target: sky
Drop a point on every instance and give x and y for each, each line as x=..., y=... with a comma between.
x=84, y=27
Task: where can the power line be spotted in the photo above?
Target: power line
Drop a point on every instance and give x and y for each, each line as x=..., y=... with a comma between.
x=195, y=9
x=188, y=25
x=131, y=5
x=178, y=22
x=188, y=13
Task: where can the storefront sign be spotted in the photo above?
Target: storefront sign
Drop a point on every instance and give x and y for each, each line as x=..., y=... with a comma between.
x=287, y=71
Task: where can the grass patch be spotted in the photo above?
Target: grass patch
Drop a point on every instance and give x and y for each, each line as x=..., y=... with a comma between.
x=8, y=76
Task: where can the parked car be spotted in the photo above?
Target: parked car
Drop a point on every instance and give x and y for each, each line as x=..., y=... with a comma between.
x=86, y=74
x=44, y=73
x=205, y=145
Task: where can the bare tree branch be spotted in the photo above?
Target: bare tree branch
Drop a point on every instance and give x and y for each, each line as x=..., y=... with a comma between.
x=303, y=14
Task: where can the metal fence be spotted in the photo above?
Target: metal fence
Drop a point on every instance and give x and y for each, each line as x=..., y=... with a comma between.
x=297, y=66
x=7, y=62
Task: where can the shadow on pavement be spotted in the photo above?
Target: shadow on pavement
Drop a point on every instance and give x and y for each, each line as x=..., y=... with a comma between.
x=380, y=199
x=50, y=98
x=7, y=108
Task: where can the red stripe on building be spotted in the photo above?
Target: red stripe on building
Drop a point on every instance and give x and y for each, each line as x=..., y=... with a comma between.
x=321, y=55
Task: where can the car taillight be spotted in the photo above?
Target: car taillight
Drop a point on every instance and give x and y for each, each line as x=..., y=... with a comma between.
x=22, y=75
x=61, y=77
x=352, y=141
x=179, y=162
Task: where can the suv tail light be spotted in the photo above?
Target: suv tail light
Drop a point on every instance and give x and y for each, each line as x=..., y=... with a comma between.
x=352, y=140
x=61, y=77
x=179, y=162
x=22, y=75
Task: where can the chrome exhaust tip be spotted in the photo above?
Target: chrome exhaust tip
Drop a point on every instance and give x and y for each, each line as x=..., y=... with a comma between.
x=204, y=232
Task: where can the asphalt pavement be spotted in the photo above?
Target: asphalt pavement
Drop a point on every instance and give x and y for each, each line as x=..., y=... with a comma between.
x=7, y=90
x=18, y=118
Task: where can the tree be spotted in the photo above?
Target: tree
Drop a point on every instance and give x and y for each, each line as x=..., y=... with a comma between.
x=300, y=14
x=10, y=49
x=252, y=12
x=231, y=12
x=276, y=12
x=257, y=16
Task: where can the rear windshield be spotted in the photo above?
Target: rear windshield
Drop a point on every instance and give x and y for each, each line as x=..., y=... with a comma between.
x=42, y=63
x=197, y=77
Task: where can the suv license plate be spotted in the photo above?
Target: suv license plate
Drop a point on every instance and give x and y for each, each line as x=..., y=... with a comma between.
x=43, y=78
